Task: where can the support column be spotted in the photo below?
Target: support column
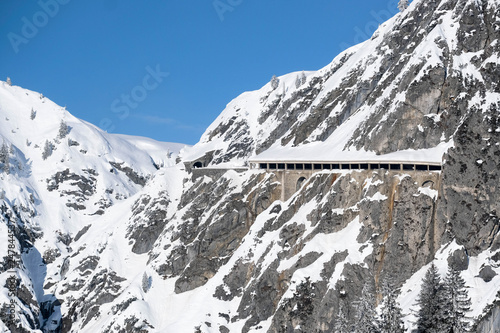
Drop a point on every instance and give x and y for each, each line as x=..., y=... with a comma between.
x=283, y=185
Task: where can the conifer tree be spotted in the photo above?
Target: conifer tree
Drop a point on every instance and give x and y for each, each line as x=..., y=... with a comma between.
x=33, y=114
x=300, y=79
x=4, y=153
x=298, y=82
x=457, y=303
x=9, y=82
x=365, y=311
x=275, y=82
x=303, y=298
x=391, y=318
x=4, y=158
x=146, y=282
x=403, y=5
x=63, y=129
x=431, y=303
x=47, y=150
x=342, y=321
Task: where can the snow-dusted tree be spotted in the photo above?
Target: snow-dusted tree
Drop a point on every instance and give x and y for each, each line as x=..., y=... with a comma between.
x=391, y=317
x=47, y=149
x=303, y=298
x=33, y=114
x=9, y=82
x=63, y=129
x=431, y=303
x=146, y=282
x=403, y=5
x=4, y=158
x=275, y=82
x=4, y=152
x=366, y=315
x=457, y=303
x=342, y=320
x=6, y=167
x=303, y=78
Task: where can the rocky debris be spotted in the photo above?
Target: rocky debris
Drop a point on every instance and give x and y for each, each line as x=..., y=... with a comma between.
x=148, y=221
x=102, y=288
x=129, y=325
x=487, y=274
x=50, y=255
x=459, y=260
x=82, y=232
x=88, y=265
x=130, y=173
x=83, y=186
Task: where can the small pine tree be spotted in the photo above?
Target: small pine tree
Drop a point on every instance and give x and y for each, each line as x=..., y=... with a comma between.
x=391, y=318
x=4, y=158
x=342, y=321
x=4, y=153
x=63, y=129
x=9, y=82
x=275, y=82
x=457, y=303
x=403, y=5
x=146, y=282
x=298, y=82
x=431, y=302
x=365, y=311
x=303, y=78
x=6, y=166
x=303, y=298
x=33, y=114
x=47, y=149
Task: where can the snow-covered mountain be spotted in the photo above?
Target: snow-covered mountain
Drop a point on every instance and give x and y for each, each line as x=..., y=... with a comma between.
x=115, y=234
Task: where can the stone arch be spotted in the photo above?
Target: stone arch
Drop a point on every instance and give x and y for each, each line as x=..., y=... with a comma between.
x=197, y=165
x=300, y=181
x=428, y=183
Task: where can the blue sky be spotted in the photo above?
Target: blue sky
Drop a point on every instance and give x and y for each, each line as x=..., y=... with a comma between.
x=166, y=68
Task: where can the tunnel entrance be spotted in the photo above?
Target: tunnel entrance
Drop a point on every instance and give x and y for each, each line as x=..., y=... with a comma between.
x=299, y=183
x=198, y=165
x=428, y=183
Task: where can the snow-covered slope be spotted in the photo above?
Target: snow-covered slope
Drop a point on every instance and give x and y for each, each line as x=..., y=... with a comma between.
x=53, y=193
x=116, y=236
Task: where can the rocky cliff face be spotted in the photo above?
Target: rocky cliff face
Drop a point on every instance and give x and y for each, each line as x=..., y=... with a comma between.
x=143, y=245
